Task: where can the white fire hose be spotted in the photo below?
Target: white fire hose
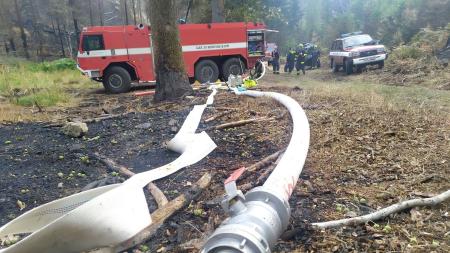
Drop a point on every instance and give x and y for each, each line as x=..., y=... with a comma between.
x=109, y=215
x=259, y=218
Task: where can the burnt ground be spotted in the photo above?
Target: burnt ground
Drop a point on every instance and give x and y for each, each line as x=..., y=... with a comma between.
x=361, y=158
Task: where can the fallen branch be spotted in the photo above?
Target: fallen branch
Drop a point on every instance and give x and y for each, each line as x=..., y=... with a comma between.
x=225, y=108
x=198, y=243
x=159, y=196
x=98, y=119
x=266, y=161
x=385, y=212
x=162, y=214
x=220, y=115
x=239, y=123
x=253, y=183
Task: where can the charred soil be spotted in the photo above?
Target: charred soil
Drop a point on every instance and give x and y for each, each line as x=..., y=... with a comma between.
x=361, y=158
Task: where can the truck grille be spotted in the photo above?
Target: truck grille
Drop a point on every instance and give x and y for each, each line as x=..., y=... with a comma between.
x=368, y=53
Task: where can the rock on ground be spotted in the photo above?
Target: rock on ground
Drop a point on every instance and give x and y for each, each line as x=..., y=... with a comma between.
x=74, y=129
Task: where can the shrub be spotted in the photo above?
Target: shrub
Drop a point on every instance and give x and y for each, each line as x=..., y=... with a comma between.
x=407, y=52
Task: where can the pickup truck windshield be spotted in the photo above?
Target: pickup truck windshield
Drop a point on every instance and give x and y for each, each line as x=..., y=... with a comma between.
x=358, y=41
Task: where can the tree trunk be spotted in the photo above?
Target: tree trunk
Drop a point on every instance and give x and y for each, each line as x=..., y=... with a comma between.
x=139, y=6
x=23, y=36
x=217, y=10
x=6, y=48
x=61, y=43
x=69, y=42
x=13, y=45
x=134, y=11
x=188, y=10
x=171, y=80
x=75, y=24
x=126, y=12
x=91, y=18
x=36, y=21
x=100, y=9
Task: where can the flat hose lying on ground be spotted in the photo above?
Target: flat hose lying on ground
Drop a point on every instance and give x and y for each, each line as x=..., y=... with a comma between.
x=109, y=215
x=259, y=218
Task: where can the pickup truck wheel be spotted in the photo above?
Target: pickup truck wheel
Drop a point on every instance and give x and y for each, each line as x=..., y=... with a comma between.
x=348, y=67
x=206, y=71
x=232, y=66
x=117, y=80
x=381, y=65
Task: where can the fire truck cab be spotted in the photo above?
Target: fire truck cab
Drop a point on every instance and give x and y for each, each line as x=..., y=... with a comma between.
x=121, y=55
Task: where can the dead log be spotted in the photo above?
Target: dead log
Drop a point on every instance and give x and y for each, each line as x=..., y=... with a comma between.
x=385, y=212
x=159, y=196
x=162, y=214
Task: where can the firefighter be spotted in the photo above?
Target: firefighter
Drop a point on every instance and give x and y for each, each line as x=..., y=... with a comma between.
x=290, y=61
x=300, y=59
x=315, y=62
x=276, y=61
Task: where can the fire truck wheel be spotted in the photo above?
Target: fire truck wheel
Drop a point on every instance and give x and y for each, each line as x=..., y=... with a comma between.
x=206, y=71
x=117, y=80
x=232, y=66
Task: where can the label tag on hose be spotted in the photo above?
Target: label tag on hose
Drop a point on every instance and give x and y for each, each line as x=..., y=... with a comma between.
x=235, y=175
x=234, y=200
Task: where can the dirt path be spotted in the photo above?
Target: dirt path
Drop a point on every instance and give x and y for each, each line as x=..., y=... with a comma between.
x=371, y=146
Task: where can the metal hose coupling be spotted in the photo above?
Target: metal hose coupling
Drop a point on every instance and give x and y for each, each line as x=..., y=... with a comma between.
x=256, y=222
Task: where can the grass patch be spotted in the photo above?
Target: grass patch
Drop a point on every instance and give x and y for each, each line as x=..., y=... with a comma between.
x=43, y=84
x=361, y=91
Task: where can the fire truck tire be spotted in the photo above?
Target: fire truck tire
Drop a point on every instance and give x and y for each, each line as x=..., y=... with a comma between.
x=232, y=66
x=117, y=80
x=206, y=71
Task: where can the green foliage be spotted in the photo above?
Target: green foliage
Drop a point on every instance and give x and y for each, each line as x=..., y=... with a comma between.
x=57, y=65
x=394, y=22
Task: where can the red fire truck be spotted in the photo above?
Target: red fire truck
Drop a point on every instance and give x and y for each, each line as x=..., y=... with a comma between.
x=121, y=55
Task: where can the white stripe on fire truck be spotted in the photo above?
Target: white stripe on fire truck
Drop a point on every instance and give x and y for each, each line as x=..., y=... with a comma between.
x=208, y=47
x=115, y=52
x=148, y=50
